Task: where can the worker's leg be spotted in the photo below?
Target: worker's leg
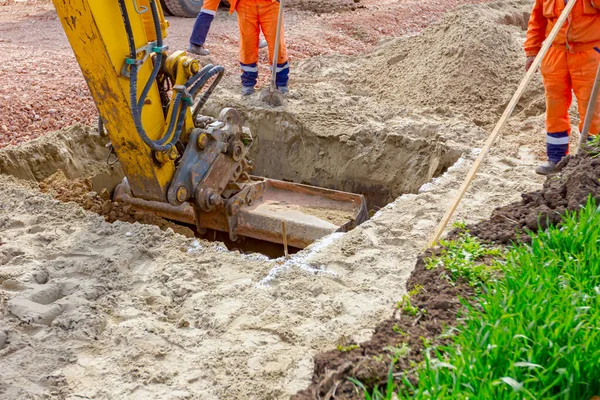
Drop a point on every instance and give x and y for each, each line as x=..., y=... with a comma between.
x=557, y=83
x=268, y=14
x=203, y=22
x=247, y=11
x=584, y=67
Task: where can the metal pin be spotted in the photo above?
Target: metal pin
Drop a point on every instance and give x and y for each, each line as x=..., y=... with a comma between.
x=285, y=245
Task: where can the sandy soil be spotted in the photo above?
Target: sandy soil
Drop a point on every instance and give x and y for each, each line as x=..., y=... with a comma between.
x=99, y=310
x=53, y=94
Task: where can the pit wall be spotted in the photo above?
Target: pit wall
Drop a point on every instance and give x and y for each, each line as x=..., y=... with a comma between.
x=380, y=165
x=79, y=152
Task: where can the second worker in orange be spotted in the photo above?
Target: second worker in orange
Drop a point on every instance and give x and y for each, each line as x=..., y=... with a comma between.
x=569, y=66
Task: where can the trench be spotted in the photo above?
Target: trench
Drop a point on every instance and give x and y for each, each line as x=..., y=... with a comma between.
x=382, y=165
x=72, y=166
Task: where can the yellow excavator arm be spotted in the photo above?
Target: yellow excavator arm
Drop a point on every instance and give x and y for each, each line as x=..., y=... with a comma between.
x=149, y=100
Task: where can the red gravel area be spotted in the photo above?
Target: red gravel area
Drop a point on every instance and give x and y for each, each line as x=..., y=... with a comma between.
x=43, y=90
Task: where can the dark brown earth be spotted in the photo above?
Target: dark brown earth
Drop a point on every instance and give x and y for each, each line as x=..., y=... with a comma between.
x=80, y=191
x=370, y=362
x=567, y=189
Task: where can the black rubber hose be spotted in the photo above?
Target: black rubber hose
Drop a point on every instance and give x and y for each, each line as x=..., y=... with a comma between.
x=159, y=56
x=175, y=116
x=199, y=84
x=193, y=85
x=198, y=75
x=172, y=121
x=219, y=71
x=133, y=89
x=128, y=30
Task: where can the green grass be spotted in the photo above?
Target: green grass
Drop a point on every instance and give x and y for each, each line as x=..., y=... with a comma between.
x=347, y=348
x=464, y=258
x=536, y=331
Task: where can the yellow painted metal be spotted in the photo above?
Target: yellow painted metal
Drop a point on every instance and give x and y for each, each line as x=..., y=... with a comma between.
x=96, y=32
x=149, y=23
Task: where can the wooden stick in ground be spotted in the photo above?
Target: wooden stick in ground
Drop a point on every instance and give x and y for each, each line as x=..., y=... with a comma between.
x=285, y=245
x=507, y=113
x=589, y=114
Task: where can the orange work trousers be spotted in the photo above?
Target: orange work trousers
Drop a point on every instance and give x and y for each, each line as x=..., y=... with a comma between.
x=564, y=73
x=254, y=16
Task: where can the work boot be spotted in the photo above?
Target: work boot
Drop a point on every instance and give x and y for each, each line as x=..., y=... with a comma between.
x=247, y=90
x=262, y=44
x=546, y=168
x=198, y=50
x=283, y=89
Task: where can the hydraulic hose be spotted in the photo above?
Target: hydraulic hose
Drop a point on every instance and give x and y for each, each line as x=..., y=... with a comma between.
x=179, y=116
x=175, y=116
x=128, y=30
x=193, y=79
x=154, y=145
x=159, y=55
x=193, y=85
x=172, y=121
x=199, y=84
x=219, y=70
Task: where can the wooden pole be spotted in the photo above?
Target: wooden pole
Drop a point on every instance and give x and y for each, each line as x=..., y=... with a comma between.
x=507, y=113
x=589, y=114
x=285, y=244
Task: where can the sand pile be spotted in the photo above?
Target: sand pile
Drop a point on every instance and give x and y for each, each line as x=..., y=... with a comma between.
x=469, y=65
x=78, y=151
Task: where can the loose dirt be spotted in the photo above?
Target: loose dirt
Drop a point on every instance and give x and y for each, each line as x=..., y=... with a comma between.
x=81, y=191
x=576, y=179
x=148, y=313
x=336, y=217
x=567, y=189
x=438, y=69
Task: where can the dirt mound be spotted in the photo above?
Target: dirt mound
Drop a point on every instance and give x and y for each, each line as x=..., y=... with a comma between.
x=575, y=179
x=402, y=337
x=81, y=191
x=470, y=62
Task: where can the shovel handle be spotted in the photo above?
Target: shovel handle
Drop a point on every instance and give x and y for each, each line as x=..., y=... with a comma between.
x=589, y=115
x=276, y=49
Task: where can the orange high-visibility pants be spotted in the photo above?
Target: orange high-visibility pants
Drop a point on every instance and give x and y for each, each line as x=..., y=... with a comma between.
x=254, y=16
x=564, y=73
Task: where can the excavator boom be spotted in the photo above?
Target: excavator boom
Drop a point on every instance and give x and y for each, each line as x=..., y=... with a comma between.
x=149, y=102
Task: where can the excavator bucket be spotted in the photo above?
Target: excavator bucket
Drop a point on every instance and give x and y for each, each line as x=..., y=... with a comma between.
x=308, y=213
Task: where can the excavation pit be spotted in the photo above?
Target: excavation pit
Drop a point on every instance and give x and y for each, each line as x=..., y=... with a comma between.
x=72, y=166
x=380, y=164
